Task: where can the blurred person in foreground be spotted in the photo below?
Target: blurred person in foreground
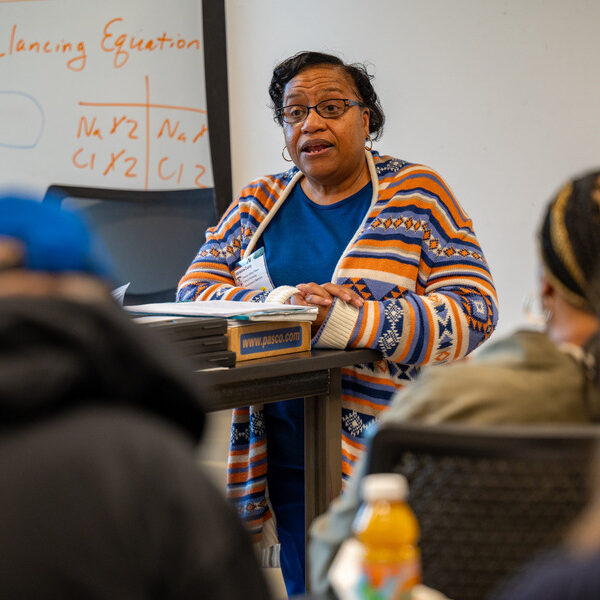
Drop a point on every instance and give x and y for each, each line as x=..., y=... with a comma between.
x=573, y=571
x=101, y=496
x=532, y=376
x=380, y=245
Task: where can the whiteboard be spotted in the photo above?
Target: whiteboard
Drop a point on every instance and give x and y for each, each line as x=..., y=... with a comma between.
x=103, y=94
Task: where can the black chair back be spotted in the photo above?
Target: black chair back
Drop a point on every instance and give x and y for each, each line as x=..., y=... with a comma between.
x=487, y=500
x=151, y=236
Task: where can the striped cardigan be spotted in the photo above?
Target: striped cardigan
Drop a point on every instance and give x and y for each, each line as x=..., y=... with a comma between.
x=429, y=299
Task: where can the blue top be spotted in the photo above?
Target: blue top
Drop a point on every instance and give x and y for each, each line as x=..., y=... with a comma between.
x=314, y=236
x=303, y=243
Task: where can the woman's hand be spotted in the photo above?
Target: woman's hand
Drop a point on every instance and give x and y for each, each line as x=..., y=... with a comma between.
x=322, y=297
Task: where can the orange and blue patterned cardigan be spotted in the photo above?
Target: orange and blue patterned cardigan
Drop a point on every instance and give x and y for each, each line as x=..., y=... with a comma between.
x=429, y=299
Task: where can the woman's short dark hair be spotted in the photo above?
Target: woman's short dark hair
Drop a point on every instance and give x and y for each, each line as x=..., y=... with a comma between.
x=290, y=67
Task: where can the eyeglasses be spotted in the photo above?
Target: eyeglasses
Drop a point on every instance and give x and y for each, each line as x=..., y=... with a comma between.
x=328, y=109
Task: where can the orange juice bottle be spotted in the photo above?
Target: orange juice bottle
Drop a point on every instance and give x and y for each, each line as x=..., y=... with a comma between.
x=389, y=532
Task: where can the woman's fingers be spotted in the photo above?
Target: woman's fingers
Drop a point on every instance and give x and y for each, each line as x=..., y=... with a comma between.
x=344, y=293
x=298, y=299
x=323, y=295
x=315, y=294
x=318, y=300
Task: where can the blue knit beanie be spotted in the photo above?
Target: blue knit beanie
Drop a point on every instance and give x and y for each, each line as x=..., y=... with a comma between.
x=53, y=239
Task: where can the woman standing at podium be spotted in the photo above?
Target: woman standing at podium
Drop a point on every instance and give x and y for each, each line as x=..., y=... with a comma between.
x=380, y=245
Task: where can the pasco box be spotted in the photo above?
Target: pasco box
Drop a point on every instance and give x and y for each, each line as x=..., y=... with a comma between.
x=258, y=340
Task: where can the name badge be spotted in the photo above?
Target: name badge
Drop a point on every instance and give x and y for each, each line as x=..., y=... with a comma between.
x=252, y=272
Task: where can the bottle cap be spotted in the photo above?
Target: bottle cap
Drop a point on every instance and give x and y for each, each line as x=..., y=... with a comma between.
x=384, y=486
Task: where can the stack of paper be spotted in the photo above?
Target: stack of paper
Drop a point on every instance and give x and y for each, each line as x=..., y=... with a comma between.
x=203, y=341
x=248, y=311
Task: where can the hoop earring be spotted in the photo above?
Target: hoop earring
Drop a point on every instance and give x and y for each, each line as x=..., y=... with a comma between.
x=370, y=142
x=283, y=154
x=537, y=318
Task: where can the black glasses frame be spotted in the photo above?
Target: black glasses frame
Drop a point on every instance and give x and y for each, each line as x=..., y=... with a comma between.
x=347, y=104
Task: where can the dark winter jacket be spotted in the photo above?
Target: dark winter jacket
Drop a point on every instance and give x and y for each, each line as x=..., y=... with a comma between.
x=100, y=495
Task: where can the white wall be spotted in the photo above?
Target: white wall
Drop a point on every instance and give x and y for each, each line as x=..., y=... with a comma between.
x=501, y=97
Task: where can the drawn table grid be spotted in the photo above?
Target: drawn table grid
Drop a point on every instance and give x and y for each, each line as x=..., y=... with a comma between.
x=89, y=130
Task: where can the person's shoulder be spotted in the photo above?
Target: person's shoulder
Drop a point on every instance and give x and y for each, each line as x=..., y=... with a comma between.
x=269, y=184
x=388, y=166
x=397, y=168
x=393, y=166
x=401, y=179
x=528, y=346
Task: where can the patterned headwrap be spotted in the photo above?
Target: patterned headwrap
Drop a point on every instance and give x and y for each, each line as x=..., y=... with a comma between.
x=570, y=242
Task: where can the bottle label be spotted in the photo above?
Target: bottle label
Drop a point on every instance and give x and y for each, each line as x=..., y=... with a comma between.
x=388, y=581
